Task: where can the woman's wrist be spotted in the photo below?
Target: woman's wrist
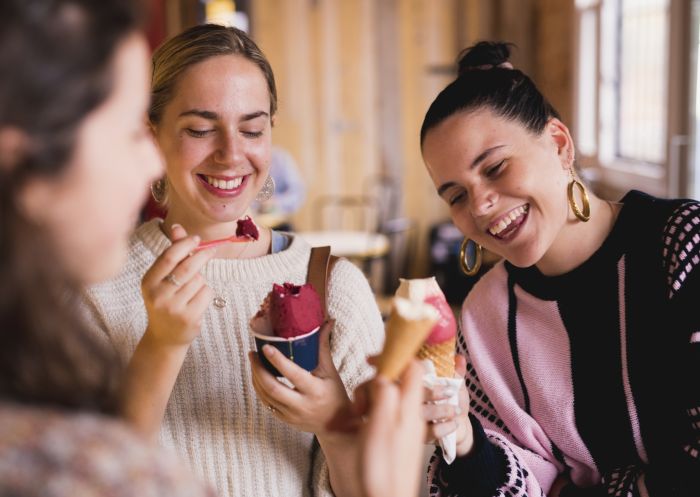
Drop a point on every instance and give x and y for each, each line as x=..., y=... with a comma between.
x=340, y=451
x=465, y=445
x=151, y=343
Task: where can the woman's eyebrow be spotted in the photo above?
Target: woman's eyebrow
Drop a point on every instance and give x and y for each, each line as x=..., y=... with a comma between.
x=478, y=160
x=483, y=155
x=206, y=114
x=254, y=115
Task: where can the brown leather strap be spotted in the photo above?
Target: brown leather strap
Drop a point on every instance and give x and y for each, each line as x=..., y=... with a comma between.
x=320, y=266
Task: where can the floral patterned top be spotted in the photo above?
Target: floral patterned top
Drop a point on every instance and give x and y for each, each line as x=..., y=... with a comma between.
x=56, y=453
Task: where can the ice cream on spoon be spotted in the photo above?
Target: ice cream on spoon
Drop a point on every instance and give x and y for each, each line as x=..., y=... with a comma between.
x=246, y=231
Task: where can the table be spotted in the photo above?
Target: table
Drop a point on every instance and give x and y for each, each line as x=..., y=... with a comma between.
x=347, y=243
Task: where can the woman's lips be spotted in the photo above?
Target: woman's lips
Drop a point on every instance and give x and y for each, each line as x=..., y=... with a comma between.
x=225, y=188
x=512, y=223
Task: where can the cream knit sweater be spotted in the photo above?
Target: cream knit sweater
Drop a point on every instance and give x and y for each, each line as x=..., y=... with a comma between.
x=214, y=419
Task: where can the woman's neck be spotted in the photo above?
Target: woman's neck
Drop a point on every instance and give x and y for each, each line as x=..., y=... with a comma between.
x=579, y=240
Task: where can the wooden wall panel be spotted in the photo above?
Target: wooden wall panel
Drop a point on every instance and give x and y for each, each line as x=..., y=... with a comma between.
x=355, y=78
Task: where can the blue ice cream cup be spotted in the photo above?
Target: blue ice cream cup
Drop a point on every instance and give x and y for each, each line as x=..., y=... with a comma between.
x=302, y=349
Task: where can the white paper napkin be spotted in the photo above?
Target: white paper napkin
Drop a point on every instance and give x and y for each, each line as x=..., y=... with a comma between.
x=448, y=443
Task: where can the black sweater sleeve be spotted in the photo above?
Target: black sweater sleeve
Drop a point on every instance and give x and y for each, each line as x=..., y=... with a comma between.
x=478, y=474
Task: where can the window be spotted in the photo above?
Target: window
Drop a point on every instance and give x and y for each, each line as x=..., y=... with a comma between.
x=622, y=94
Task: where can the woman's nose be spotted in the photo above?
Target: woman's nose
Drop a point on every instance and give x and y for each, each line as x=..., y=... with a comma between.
x=482, y=200
x=227, y=149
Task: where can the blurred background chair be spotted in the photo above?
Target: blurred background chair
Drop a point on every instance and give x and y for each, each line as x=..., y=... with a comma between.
x=400, y=230
x=369, y=230
x=348, y=223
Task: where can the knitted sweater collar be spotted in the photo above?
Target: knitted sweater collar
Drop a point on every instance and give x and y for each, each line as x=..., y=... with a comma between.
x=267, y=267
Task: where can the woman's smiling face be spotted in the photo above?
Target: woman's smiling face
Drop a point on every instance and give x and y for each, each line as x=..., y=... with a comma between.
x=215, y=135
x=505, y=186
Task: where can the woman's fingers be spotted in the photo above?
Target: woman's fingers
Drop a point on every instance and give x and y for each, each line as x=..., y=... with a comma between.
x=184, y=294
x=384, y=407
x=269, y=387
x=298, y=376
x=439, y=393
x=325, y=359
x=434, y=413
x=439, y=430
x=412, y=383
x=200, y=301
x=460, y=366
x=171, y=257
x=361, y=398
x=177, y=232
x=179, y=262
x=186, y=269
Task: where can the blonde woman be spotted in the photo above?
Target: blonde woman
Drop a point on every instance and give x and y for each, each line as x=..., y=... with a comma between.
x=181, y=320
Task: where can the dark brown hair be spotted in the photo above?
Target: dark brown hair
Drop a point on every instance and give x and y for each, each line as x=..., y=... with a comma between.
x=56, y=61
x=487, y=80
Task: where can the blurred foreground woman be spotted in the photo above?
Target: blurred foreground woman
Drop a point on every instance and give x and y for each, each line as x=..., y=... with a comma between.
x=75, y=162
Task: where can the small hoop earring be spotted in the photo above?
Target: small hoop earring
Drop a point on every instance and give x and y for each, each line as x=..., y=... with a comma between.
x=159, y=190
x=582, y=214
x=470, y=254
x=267, y=191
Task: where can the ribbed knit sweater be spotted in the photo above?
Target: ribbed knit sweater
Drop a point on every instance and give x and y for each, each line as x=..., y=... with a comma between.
x=214, y=418
x=593, y=375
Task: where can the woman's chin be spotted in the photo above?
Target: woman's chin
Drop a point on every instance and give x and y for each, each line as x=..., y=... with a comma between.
x=522, y=260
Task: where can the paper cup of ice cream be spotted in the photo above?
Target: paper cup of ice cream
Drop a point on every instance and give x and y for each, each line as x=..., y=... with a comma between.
x=302, y=350
x=289, y=319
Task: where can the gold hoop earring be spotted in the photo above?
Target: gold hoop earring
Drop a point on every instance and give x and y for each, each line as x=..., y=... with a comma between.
x=470, y=254
x=267, y=191
x=159, y=190
x=582, y=214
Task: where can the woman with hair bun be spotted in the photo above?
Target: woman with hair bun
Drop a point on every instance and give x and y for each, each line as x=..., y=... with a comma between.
x=582, y=373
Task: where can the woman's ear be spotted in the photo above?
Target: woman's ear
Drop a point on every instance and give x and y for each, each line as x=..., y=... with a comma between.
x=14, y=144
x=561, y=137
x=35, y=198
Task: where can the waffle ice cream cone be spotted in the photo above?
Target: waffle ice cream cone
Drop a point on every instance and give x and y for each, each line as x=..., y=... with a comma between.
x=442, y=356
x=439, y=346
x=407, y=328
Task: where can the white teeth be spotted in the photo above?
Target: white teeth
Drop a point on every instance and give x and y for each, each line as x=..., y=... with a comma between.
x=509, y=218
x=222, y=184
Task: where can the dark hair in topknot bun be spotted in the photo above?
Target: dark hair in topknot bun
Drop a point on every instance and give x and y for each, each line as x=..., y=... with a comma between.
x=487, y=80
x=484, y=55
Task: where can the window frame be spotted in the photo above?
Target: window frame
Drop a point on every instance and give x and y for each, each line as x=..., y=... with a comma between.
x=614, y=175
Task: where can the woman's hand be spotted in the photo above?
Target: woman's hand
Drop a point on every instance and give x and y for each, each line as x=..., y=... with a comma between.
x=309, y=405
x=174, y=292
x=316, y=396
x=444, y=419
x=391, y=438
x=175, y=305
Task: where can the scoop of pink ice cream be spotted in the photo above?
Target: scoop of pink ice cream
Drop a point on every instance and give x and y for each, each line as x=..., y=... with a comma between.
x=446, y=327
x=294, y=310
x=427, y=290
x=246, y=227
